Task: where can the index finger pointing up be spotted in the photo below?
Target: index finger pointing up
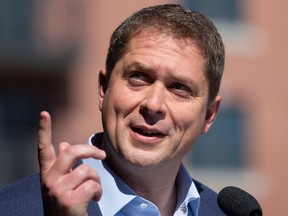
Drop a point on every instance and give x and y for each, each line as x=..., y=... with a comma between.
x=46, y=152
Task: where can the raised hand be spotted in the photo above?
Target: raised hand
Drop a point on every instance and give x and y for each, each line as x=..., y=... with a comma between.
x=66, y=191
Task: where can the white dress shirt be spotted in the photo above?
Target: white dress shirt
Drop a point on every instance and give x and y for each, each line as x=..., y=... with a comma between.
x=119, y=199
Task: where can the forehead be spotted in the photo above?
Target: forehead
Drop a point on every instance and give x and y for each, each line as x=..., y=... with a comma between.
x=167, y=39
x=163, y=51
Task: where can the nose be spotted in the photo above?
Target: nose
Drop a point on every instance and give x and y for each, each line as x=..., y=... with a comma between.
x=154, y=101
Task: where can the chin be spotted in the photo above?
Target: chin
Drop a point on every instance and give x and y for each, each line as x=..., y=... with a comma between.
x=140, y=162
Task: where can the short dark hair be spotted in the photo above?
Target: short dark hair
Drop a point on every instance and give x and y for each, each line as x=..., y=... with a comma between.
x=179, y=23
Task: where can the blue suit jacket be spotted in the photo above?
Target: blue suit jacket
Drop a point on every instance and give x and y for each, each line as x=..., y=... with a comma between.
x=23, y=198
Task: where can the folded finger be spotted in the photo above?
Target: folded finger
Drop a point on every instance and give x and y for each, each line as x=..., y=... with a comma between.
x=70, y=154
x=78, y=176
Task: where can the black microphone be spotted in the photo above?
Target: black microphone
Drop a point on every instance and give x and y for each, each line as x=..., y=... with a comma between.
x=234, y=201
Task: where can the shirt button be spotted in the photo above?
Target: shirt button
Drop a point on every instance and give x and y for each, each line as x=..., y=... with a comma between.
x=143, y=205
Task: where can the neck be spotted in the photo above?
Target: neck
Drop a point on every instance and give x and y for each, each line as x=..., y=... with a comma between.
x=156, y=184
x=159, y=187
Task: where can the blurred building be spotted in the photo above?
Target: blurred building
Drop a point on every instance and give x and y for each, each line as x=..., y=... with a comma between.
x=50, y=55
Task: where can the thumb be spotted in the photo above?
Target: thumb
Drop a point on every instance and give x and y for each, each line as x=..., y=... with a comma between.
x=46, y=151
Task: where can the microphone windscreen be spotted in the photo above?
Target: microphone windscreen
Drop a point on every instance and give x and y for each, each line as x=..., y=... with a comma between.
x=234, y=201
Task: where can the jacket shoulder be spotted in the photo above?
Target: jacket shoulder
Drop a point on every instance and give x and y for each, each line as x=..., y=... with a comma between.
x=22, y=197
x=208, y=201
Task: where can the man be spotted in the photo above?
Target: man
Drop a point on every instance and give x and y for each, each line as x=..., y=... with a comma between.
x=158, y=93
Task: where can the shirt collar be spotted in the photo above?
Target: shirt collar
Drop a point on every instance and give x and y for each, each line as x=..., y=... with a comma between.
x=113, y=186
x=187, y=193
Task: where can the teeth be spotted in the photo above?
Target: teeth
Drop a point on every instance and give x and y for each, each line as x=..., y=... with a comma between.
x=149, y=132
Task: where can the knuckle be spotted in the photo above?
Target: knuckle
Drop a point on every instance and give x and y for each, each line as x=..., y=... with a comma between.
x=51, y=187
x=55, y=192
x=83, y=171
x=92, y=187
x=86, y=172
x=48, y=183
x=69, y=151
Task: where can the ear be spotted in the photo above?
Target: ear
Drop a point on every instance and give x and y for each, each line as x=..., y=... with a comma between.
x=102, y=86
x=211, y=113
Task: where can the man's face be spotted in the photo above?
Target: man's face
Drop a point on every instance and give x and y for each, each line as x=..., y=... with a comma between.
x=155, y=104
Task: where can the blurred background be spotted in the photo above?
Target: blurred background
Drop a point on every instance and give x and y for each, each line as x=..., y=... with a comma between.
x=50, y=56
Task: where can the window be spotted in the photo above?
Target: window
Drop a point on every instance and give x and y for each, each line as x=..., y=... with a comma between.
x=24, y=92
x=239, y=35
x=223, y=144
x=16, y=24
x=216, y=10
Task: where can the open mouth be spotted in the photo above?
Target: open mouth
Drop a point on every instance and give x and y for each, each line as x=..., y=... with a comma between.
x=147, y=133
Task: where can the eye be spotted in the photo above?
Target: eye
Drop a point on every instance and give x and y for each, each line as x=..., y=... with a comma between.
x=138, y=79
x=178, y=86
x=181, y=90
x=136, y=76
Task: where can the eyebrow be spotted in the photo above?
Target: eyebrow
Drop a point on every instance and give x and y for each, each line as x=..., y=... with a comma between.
x=139, y=66
x=195, y=87
x=136, y=66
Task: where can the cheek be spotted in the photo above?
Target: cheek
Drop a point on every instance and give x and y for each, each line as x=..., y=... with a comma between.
x=188, y=130
x=119, y=103
x=189, y=120
x=126, y=101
